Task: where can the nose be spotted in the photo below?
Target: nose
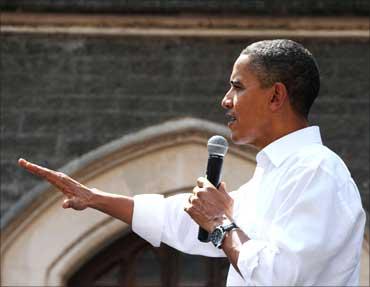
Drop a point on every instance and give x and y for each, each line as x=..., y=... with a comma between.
x=227, y=101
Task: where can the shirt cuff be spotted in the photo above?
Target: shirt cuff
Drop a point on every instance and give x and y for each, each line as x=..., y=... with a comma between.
x=148, y=217
x=248, y=258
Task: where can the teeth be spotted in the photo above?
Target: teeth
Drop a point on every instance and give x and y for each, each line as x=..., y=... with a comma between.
x=230, y=117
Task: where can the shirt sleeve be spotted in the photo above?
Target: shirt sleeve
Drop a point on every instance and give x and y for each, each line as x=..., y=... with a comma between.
x=148, y=217
x=157, y=219
x=312, y=229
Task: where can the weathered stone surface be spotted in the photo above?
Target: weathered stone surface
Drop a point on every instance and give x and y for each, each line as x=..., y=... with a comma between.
x=296, y=7
x=64, y=96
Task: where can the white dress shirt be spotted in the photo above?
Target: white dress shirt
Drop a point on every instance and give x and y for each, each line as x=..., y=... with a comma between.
x=301, y=210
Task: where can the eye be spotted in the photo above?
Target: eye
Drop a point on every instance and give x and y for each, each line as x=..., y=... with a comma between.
x=237, y=87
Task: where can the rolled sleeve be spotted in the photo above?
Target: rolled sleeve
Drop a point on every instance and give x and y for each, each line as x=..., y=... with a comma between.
x=249, y=257
x=148, y=217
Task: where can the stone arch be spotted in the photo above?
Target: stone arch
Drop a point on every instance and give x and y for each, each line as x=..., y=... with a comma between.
x=46, y=243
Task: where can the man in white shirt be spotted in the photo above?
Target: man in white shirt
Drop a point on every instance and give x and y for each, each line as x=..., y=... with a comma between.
x=298, y=221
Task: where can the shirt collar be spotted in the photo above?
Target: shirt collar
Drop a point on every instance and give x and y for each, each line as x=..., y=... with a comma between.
x=277, y=151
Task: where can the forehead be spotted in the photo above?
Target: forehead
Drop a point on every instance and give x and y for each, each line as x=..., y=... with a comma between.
x=241, y=70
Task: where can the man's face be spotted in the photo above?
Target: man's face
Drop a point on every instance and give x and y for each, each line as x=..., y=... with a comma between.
x=247, y=104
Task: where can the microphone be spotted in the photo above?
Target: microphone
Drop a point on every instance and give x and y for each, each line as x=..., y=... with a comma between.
x=217, y=148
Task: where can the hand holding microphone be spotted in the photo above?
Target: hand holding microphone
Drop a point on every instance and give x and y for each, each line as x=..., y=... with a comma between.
x=217, y=148
x=210, y=204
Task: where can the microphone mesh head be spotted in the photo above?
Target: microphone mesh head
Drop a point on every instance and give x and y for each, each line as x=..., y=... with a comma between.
x=217, y=145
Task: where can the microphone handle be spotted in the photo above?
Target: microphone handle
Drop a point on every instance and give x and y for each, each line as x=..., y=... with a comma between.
x=213, y=174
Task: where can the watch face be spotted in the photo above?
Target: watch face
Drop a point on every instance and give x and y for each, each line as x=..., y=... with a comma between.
x=217, y=236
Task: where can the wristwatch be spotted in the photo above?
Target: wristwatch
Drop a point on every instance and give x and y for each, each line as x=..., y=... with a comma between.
x=217, y=236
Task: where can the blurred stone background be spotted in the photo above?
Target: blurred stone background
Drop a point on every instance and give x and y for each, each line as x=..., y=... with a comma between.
x=64, y=94
x=76, y=75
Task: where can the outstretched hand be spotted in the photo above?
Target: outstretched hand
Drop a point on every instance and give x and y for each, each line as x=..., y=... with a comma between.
x=78, y=195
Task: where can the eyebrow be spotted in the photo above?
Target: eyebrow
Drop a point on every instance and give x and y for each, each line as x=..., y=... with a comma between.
x=236, y=83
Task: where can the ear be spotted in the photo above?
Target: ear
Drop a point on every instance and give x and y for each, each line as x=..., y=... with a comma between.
x=279, y=97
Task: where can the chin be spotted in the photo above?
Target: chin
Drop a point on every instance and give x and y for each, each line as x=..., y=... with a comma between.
x=242, y=140
x=237, y=139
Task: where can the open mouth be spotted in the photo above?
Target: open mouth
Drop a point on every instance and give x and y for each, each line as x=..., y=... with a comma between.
x=230, y=118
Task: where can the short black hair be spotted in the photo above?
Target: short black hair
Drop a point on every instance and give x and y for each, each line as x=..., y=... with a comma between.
x=290, y=63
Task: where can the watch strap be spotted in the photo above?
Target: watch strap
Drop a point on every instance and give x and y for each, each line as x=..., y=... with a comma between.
x=229, y=227
x=223, y=229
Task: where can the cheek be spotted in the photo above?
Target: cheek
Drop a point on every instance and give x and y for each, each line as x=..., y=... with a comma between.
x=243, y=108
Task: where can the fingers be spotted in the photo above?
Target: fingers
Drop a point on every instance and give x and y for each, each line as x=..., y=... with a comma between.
x=203, y=184
x=222, y=187
x=223, y=190
x=192, y=197
x=58, y=179
x=201, y=181
x=209, y=194
x=195, y=198
x=191, y=207
x=193, y=210
x=38, y=170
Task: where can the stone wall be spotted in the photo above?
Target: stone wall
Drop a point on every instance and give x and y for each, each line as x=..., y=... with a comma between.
x=62, y=96
x=252, y=7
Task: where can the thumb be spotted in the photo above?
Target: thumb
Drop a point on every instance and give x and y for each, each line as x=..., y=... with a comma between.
x=67, y=203
x=222, y=187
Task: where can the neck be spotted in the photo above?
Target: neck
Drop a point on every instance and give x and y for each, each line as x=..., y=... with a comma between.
x=282, y=127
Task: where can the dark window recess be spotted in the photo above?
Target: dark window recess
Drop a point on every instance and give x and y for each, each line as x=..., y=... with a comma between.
x=131, y=261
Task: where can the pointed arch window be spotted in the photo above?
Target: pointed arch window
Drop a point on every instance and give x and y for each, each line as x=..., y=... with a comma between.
x=131, y=261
